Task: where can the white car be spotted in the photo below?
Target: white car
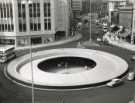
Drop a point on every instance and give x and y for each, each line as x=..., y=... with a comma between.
x=131, y=102
x=131, y=76
x=114, y=82
x=133, y=58
x=105, y=29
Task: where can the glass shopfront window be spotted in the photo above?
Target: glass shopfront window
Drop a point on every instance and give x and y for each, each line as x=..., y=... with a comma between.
x=36, y=40
x=22, y=42
x=7, y=41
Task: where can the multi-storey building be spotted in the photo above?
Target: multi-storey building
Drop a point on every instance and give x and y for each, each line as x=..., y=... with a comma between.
x=85, y=6
x=76, y=7
x=113, y=7
x=25, y=22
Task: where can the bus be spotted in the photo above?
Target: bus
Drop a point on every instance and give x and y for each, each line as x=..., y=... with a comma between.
x=7, y=52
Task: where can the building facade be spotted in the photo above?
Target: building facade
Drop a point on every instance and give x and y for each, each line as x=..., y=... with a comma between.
x=25, y=22
x=100, y=7
x=76, y=8
x=85, y=6
x=125, y=16
x=113, y=7
x=122, y=14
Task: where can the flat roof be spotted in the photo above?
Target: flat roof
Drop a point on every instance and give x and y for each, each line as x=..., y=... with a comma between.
x=5, y=47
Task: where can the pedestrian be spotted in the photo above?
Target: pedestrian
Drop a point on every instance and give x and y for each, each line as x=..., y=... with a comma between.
x=79, y=26
x=86, y=67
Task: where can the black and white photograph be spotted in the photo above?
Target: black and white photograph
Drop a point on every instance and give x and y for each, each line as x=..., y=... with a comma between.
x=67, y=51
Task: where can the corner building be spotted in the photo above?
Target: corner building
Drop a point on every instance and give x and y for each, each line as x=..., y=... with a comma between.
x=25, y=22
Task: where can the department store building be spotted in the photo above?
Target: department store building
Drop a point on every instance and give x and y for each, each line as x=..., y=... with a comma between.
x=25, y=22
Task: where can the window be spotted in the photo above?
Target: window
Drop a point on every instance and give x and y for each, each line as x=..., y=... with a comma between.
x=34, y=10
x=22, y=17
x=1, y=10
x=47, y=16
x=5, y=27
x=36, y=40
x=45, y=24
x=134, y=23
x=9, y=27
x=39, y=26
x=45, y=10
x=49, y=11
x=0, y=27
x=20, y=27
x=38, y=10
x=7, y=41
x=35, y=27
x=49, y=24
x=31, y=26
x=6, y=15
x=22, y=42
x=4, y=10
x=11, y=10
x=30, y=10
x=7, y=5
x=34, y=14
x=12, y=27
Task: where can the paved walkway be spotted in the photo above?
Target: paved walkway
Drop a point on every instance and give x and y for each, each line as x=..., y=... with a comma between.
x=64, y=41
x=91, y=43
x=122, y=44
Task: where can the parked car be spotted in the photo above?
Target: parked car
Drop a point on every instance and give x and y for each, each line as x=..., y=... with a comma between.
x=131, y=102
x=133, y=58
x=131, y=76
x=105, y=29
x=114, y=82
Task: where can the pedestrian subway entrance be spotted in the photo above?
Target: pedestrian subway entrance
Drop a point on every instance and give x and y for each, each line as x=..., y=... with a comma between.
x=66, y=65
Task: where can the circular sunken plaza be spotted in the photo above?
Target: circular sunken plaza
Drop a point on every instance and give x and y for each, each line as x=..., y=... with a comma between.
x=67, y=68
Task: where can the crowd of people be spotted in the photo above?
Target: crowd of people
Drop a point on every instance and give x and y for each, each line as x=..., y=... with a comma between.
x=118, y=33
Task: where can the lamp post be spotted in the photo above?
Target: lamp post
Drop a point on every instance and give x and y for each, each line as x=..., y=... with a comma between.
x=90, y=22
x=27, y=2
x=132, y=22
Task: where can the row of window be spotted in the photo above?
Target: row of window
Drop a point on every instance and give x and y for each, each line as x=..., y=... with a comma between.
x=6, y=15
x=47, y=24
x=35, y=26
x=22, y=16
x=21, y=10
x=6, y=27
x=47, y=11
x=6, y=10
x=34, y=10
x=7, y=41
x=34, y=16
x=47, y=16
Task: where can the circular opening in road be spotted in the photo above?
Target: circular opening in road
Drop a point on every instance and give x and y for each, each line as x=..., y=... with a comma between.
x=66, y=68
x=66, y=65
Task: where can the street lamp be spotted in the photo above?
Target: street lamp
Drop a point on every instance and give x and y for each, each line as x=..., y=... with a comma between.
x=32, y=75
x=132, y=22
x=90, y=22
